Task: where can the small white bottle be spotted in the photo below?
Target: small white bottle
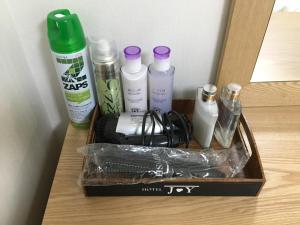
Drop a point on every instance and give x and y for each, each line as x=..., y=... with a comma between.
x=134, y=80
x=205, y=115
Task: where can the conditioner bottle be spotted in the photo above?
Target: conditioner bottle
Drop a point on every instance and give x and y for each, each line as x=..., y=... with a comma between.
x=134, y=80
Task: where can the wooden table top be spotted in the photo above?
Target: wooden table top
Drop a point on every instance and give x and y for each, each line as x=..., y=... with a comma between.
x=277, y=133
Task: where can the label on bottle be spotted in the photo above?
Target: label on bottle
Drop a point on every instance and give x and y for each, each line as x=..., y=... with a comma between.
x=75, y=81
x=226, y=118
x=161, y=89
x=131, y=124
x=204, y=119
x=135, y=98
x=135, y=92
x=110, y=95
x=226, y=125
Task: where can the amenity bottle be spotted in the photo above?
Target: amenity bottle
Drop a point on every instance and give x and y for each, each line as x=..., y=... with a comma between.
x=161, y=77
x=205, y=115
x=134, y=81
x=229, y=113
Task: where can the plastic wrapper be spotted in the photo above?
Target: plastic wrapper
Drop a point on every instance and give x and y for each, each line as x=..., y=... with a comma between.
x=107, y=164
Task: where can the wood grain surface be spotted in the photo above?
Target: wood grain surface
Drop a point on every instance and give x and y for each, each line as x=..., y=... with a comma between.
x=246, y=28
x=271, y=94
x=279, y=56
x=277, y=133
x=245, y=31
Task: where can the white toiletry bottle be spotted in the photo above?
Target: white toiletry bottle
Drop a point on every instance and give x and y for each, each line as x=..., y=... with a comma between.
x=161, y=77
x=134, y=80
x=205, y=115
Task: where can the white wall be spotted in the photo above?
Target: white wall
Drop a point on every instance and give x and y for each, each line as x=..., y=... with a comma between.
x=287, y=6
x=191, y=28
x=29, y=145
x=32, y=108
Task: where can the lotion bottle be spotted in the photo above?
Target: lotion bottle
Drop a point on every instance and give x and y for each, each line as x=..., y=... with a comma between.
x=161, y=77
x=134, y=80
x=205, y=115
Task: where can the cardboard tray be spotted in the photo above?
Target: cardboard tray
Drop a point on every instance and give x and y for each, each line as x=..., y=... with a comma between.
x=248, y=183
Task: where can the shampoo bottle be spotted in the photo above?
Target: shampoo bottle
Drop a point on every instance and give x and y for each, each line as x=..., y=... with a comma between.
x=205, y=115
x=161, y=76
x=134, y=81
x=67, y=42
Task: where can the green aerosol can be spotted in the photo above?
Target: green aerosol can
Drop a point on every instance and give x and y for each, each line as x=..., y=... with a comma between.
x=70, y=56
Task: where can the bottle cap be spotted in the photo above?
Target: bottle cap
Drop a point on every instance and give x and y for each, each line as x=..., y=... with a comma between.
x=209, y=92
x=162, y=58
x=233, y=91
x=161, y=52
x=132, y=52
x=102, y=49
x=133, y=58
x=65, y=33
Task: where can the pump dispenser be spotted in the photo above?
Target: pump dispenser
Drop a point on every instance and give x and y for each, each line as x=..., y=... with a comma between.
x=134, y=80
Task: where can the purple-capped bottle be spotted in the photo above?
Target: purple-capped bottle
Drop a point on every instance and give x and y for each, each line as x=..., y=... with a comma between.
x=134, y=80
x=161, y=77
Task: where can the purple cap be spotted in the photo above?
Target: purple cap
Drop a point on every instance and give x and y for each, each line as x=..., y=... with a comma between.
x=132, y=52
x=161, y=52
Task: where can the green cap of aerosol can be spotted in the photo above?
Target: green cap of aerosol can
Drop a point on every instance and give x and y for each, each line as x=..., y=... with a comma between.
x=68, y=45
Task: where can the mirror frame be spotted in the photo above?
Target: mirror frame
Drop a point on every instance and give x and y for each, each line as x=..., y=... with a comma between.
x=246, y=27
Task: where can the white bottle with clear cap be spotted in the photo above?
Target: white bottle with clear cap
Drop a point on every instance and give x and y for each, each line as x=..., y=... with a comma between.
x=205, y=115
x=134, y=80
